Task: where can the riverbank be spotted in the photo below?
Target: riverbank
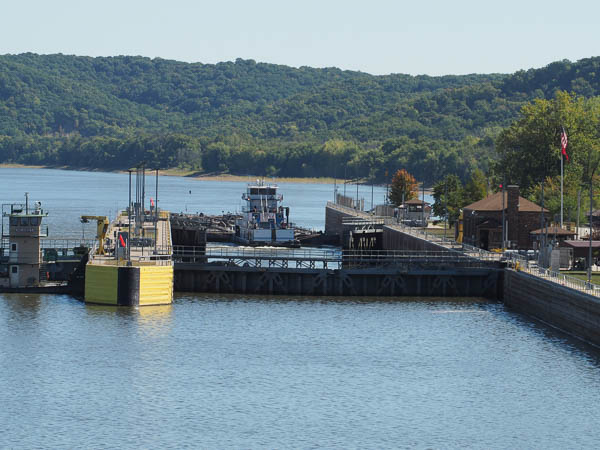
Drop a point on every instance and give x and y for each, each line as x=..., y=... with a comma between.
x=245, y=178
x=188, y=174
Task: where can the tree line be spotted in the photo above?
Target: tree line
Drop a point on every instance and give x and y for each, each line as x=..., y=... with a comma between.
x=245, y=117
x=529, y=153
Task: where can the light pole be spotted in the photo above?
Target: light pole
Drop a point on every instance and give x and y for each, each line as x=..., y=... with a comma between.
x=503, y=214
x=129, y=222
x=445, y=206
x=589, y=271
x=423, y=205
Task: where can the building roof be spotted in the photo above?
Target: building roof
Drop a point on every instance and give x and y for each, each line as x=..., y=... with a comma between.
x=558, y=231
x=415, y=201
x=582, y=244
x=494, y=203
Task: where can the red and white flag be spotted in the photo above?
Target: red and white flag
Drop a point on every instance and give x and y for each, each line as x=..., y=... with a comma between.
x=563, y=143
x=151, y=202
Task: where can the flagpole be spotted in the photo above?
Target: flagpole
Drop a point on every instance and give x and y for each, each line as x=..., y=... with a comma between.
x=563, y=155
x=561, y=188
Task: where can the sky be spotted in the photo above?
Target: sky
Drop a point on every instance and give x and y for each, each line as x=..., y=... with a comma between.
x=379, y=37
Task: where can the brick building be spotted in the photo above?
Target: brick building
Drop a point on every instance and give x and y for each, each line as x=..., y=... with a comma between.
x=482, y=220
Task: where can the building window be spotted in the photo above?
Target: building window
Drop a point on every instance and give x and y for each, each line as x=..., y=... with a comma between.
x=13, y=247
x=14, y=269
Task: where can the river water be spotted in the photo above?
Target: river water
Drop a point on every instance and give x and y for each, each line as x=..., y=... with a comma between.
x=67, y=195
x=247, y=372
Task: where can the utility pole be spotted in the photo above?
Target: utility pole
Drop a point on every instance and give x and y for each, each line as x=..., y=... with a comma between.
x=503, y=213
x=423, y=206
x=156, y=215
x=334, y=186
x=445, y=206
x=403, y=209
x=578, y=211
x=129, y=222
x=386, y=188
x=542, y=236
x=589, y=274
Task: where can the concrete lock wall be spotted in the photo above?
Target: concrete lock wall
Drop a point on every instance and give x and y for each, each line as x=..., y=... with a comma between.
x=395, y=239
x=572, y=311
x=391, y=282
x=335, y=214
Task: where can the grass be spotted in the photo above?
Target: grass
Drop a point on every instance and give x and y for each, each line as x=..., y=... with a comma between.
x=582, y=275
x=440, y=232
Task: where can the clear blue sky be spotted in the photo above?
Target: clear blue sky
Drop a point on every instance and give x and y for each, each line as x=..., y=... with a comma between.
x=416, y=37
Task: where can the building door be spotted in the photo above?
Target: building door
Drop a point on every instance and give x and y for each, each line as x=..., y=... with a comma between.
x=14, y=276
x=484, y=239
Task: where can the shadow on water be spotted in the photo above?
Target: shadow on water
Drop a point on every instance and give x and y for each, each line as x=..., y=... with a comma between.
x=548, y=333
x=152, y=319
x=142, y=312
x=23, y=305
x=450, y=305
x=283, y=299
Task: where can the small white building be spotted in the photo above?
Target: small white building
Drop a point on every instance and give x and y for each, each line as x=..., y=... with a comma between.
x=414, y=212
x=24, y=226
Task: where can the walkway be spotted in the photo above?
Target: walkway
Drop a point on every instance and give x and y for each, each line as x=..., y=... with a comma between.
x=513, y=261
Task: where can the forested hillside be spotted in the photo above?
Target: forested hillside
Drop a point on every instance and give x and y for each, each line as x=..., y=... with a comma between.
x=262, y=119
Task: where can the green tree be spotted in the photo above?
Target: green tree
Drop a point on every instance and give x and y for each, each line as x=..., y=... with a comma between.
x=530, y=149
x=449, y=196
x=476, y=187
x=402, y=188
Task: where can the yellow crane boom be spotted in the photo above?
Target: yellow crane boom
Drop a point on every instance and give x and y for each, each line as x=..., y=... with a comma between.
x=101, y=229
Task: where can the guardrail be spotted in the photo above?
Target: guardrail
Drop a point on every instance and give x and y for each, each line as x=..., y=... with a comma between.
x=121, y=262
x=431, y=237
x=513, y=260
x=417, y=258
x=66, y=243
x=143, y=254
x=317, y=258
x=522, y=264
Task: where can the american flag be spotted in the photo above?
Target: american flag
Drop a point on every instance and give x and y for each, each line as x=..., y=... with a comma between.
x=563, y=142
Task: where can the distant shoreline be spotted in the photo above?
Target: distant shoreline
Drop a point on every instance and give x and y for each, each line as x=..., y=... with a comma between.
x=188, y=174
x=208, y=176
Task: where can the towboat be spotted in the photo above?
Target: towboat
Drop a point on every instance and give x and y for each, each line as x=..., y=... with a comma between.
x=264, y=221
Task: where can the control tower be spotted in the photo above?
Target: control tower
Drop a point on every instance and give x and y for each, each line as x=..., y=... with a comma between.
x=22, y=233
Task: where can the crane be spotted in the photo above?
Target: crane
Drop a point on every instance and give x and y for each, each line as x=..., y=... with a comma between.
x=101, y=229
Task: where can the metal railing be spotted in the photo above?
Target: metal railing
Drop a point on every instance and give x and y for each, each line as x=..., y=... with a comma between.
x=522, y=264
x=270, y=252
x=159, y=255
x=121, y=262
x=417, y=259
x=318, y=258
x=513, y=260
x=428, y=236
x=257, y=257
x=57, y=244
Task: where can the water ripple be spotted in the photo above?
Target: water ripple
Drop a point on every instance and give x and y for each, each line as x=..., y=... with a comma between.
x=249, y=372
